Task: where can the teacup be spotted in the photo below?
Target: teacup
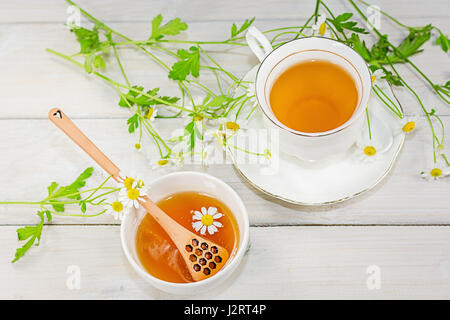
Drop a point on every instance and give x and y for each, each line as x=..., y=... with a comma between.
x=306, y=145
x=180, y=182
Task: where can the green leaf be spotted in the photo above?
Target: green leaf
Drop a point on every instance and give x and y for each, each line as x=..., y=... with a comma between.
x=359, y=46
x=88, y=39
x=88, y=62
x=133, y=123
x=71, y=191
x=392, y=78
x=33, y=233
x=129, y=99
x=82, y=206
x=235, y=31
x=443, y=41
x=340, y=23
x=410, y=45
x=144, y=101
x=173, y=27
x=99, y=62
x=189, y=64
x=218, y=101
x=52, y=187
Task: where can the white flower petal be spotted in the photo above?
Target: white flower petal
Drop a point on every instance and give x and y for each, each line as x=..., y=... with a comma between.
x=197, y=215
x=203, y=230
x=217, y=216
x=212, y=210
x=197, y=225
x=217, y=224
x=204, y=211
x=212, y=229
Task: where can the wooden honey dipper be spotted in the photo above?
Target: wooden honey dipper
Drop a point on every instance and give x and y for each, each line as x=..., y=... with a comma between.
x=203, y=257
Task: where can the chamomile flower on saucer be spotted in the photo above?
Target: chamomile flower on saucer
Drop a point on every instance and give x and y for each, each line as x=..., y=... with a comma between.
x=206, y=219
x=408, y=124
x=368, y=150
x=436, y=171
x=116, y=209
x=320, y=27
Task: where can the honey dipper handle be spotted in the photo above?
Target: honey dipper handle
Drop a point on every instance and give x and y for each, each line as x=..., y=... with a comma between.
x=59, y=118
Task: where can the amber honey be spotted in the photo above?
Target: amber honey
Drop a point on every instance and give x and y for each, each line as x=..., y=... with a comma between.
x=157, y=252
x=314, y=96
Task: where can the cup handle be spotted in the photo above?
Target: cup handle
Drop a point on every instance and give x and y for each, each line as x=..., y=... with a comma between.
x=256, y=40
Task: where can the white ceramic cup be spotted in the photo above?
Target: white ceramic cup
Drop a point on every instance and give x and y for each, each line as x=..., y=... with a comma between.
x=305, y=145
x=181, y=182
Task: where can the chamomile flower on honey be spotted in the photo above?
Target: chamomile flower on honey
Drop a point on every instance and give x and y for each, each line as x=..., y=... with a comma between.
x=320, y=27
x=206, y=220
x=116, y=209
x=435, y=171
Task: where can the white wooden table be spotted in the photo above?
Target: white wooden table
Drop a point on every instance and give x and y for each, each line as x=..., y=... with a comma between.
x=402, y=226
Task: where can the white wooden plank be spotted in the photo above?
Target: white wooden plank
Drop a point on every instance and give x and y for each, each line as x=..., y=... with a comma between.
x=283, y=263
x=34, y=153
x=55, y=10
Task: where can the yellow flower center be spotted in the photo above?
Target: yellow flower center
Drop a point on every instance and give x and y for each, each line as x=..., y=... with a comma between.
x=133, y=194
x=137, y=146
x=198, y=118
x=232, y=126
x=322, y=29
x=128, y=183
x=409, y=126
x=435, y=172
x=370, y=151
x=117, y=206
x=373, y=78
x=149, y=113
x=207, y=220
x=163, y=162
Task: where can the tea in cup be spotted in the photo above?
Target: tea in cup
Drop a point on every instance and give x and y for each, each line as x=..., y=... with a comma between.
x=314, y=90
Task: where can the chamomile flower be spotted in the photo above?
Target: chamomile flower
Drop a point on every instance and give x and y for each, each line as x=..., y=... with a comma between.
x=138, y=147
x=368, y=150
x=206, y=220
x=208, y=154
x=408, y=124
x=320, y=27
x=131, y=192
x=230, y=125
x=435, y=171
x=116, y=209
x=151, y=114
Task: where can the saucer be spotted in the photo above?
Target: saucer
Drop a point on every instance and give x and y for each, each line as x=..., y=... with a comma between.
x=335, y=179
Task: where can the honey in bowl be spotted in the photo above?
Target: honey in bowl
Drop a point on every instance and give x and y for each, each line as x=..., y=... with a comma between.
x=157, y=252
x=314, y=96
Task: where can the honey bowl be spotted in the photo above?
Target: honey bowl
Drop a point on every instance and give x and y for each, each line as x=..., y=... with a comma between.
x=185, y=183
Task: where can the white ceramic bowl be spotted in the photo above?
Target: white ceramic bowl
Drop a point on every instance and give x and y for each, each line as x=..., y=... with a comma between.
x=180, y=182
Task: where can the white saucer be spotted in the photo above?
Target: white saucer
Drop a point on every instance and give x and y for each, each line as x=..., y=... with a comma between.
x=333, y=180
